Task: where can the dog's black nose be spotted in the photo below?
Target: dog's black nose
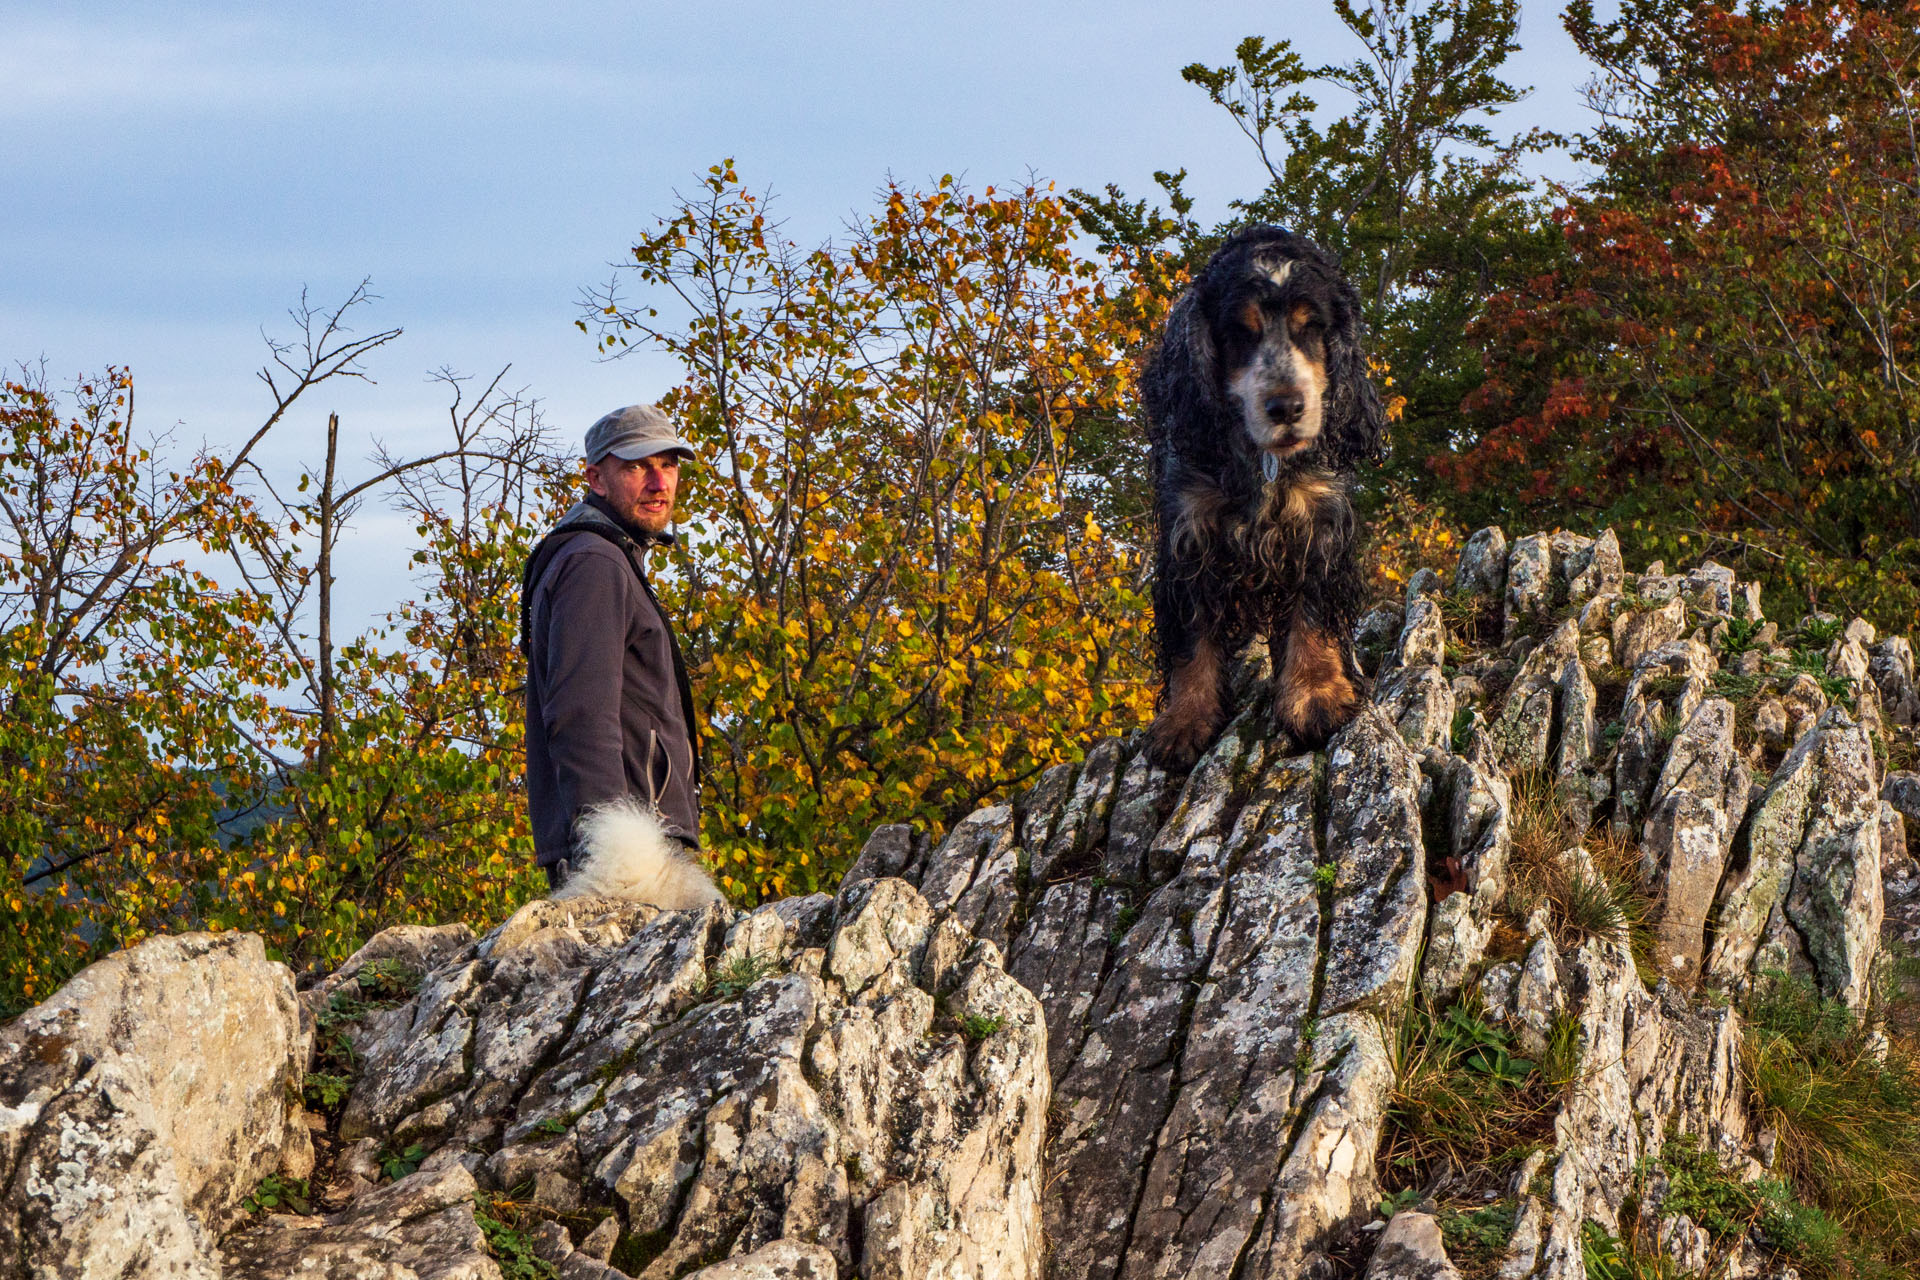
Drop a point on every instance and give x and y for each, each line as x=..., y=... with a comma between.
x=1286, y=407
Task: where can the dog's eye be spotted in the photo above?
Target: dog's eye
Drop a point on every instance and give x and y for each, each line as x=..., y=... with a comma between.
x=1302, y=319
x=1252, y=320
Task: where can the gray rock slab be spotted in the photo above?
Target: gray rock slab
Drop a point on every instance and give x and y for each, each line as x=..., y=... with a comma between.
x=419, y=1227
x=142, y=1102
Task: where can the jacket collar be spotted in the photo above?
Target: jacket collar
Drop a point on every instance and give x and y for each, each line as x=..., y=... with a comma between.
x=596, y=510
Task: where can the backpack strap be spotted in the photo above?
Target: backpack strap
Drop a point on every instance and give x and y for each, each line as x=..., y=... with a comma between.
x=537, y=567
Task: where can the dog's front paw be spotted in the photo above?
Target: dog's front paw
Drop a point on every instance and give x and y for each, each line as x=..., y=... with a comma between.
x=1311, y=714
x=1175, y=741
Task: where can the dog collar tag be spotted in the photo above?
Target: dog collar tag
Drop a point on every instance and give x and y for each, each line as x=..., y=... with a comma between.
x=1270, y=467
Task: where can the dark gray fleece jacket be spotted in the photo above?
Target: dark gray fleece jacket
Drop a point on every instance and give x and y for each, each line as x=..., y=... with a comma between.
x=609, y=710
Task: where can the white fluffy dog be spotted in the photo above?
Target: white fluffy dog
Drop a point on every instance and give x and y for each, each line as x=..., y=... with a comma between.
x=627, y=855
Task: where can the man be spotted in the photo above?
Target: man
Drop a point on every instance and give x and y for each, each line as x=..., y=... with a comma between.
x=609, y=707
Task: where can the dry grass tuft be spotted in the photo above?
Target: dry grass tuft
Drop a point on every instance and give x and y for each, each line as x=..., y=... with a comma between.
x=1464, y=1105
x=1844, y=1099
x=1592, y=896
x=1474, y=619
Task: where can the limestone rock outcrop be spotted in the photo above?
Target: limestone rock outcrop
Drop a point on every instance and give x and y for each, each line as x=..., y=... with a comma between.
x=1223, y=963
x=1126, y=1024
x=423, y=1225
x=845, y=1075
x=142, y=1103
x=1226, y=960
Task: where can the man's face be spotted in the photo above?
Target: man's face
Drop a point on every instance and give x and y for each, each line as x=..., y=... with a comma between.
x=641, y=490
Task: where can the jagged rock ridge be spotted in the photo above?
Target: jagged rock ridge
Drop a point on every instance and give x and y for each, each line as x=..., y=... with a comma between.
x=1148, y=1020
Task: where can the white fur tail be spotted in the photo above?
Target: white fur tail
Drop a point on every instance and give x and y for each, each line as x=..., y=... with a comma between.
x=625, y=854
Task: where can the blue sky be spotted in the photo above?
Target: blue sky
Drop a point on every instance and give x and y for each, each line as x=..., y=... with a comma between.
x=179, y=173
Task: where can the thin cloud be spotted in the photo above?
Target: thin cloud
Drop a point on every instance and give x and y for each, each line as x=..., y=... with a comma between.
x=69, y=69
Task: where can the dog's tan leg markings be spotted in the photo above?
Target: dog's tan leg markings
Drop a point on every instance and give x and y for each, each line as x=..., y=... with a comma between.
x=1192, y=713
x=1316, y=695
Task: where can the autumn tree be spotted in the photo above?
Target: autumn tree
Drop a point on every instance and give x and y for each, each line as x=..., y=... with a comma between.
x=897, y=586
x=391, y=760
x=184, y=741
x=1726, y=362
x=129, y=677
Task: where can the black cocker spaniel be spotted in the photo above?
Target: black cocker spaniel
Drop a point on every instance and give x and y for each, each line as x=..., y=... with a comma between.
x=1259, y=409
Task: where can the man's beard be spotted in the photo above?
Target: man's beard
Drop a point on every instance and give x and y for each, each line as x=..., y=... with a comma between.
x=629, y=517
x=655, y=524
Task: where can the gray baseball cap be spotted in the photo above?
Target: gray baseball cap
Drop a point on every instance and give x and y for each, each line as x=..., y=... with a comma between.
x=637, y=431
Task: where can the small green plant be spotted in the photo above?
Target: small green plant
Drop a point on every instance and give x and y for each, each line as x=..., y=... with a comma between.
x=1607, y=1258
x=1811, y=662
x=1404, y=1198
x=1742, y=634
x=1719, y=1202
x=731, y=980
x=1463, y=1099
x=503, y=1225
x=1699, y=1187
x=1808, y=1235
x=1495, y=1061
x=1735, y=687
x=1476, y=1239
x=553, y=1125
x=1666, y=727
x=1483, y=1047
x=398, y=1164
x=334, y=1045
x=1325, y=874
x=1591, y=906
x=1123, y=920
x=276, y=1194
x=323, y=1091
x=341, y=1009
x=1461, y=610
x=1666, y=686
x=388, y=980
x=1460, y=732
x=978, y=1026
x=1565, y=1041
x=1821, y=632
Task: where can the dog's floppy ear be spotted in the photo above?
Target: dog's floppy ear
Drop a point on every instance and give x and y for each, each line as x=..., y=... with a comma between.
x=1356, y=422
x=1183, y=375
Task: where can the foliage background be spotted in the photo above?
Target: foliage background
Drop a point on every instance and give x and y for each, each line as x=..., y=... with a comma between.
x=913, y=576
